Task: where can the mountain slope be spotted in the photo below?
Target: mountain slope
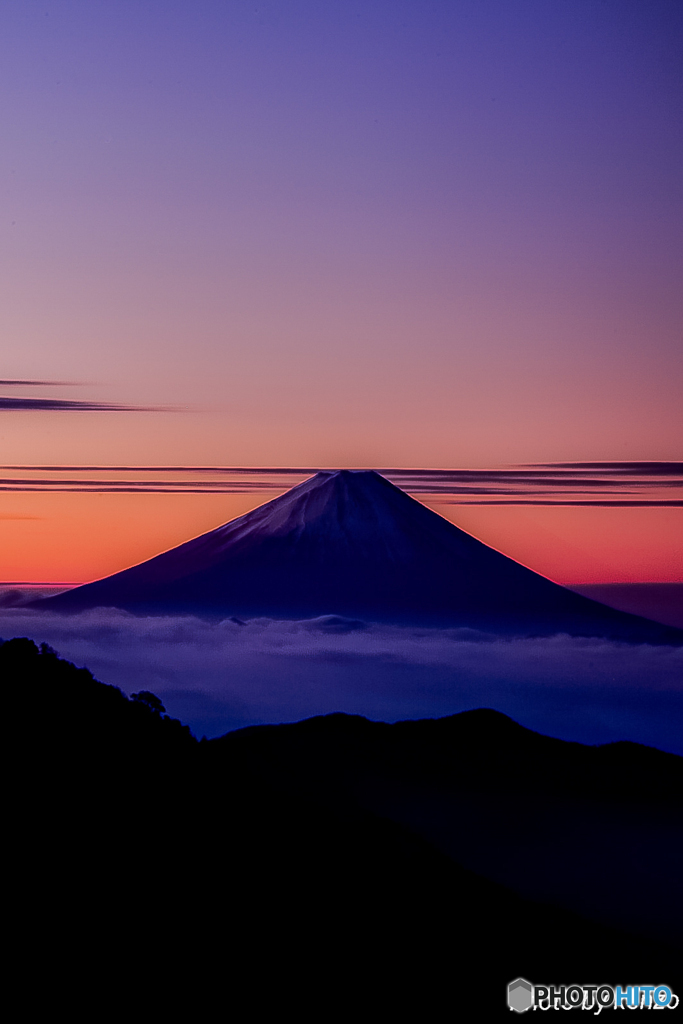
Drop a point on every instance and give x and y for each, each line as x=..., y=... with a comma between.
x=551, y=820
x=287, y=860
x=351, y=543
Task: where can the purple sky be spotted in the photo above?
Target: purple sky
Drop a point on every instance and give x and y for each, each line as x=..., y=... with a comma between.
x=341, y=234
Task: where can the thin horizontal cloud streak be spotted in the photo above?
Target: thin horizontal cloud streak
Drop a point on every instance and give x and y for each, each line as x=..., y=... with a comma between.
x=40, y=383
x=129, y=490
x=47, y=483
x=651, y=468
x=246, y=470
x=189, y=489
x=634, y=485
x=8, y=404
x=654, y=469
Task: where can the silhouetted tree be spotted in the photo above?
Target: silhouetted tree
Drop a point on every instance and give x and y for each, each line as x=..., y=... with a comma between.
x=149, y=700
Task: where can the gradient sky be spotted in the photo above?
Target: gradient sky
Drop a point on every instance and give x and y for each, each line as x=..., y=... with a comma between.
x=425, y=234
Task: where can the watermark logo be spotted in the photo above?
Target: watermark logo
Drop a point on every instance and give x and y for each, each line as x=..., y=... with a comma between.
x=520, y=995
x=523, y=996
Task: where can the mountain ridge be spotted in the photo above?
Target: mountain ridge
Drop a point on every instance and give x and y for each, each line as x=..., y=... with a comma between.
x=274, y=847
x=351, y=543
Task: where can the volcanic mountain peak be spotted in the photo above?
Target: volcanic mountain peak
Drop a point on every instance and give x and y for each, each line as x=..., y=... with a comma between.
x=351, y=543
x=333, y=516
x=351, y=498
x=341, y=510
x=342, y=498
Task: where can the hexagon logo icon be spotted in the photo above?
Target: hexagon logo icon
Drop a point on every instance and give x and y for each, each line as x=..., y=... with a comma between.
x=520, y=995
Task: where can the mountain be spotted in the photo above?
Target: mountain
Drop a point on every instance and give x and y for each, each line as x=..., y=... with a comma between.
x=546, y=818
x=349, y=543
x=334, y=862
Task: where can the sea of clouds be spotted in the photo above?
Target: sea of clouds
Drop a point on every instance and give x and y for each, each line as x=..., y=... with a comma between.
x=218, y=676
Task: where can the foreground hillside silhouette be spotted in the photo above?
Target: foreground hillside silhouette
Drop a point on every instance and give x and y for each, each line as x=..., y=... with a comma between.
x=350, y=543
x=316, y=861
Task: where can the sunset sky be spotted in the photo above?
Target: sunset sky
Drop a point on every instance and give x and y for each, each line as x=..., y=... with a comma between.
x=300, y=235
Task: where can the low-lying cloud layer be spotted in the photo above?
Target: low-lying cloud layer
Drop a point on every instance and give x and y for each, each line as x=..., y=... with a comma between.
x=218, y=676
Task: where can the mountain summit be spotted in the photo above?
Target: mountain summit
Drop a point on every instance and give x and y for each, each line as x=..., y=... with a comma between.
x=350, y=543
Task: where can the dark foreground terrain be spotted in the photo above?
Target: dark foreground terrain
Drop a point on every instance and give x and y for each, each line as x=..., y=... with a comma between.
x=324, y=866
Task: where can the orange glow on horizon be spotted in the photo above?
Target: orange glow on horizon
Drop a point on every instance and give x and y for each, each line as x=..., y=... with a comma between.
x=75, y=538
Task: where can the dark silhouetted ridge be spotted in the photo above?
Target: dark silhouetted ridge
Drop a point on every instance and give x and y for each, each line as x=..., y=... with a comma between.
x=334, y=852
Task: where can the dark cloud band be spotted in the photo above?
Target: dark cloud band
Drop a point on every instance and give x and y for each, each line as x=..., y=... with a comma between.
x=632, y=468
x=8, y=404
x=626, y=469
x=39, y=383
x=609, y=485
